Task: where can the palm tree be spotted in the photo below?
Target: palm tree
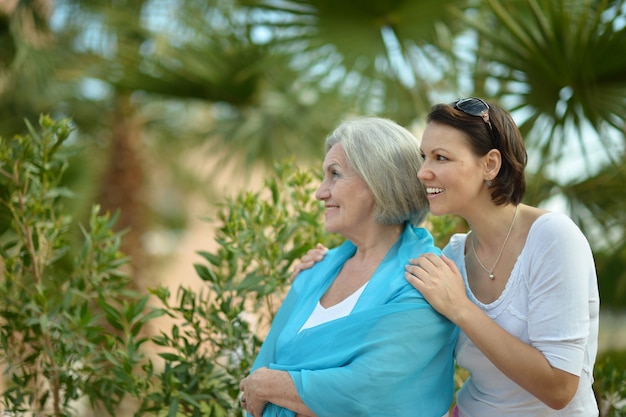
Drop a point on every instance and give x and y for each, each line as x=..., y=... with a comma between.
x=268, y=79
x=263, y=99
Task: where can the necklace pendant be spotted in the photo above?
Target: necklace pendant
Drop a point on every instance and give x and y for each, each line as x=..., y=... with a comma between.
x=492, y=276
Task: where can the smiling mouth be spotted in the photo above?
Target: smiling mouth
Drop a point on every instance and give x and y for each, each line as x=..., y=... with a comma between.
x=434, y=190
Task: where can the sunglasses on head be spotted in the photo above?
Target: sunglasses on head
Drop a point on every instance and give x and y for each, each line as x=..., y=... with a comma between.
x=478, y=107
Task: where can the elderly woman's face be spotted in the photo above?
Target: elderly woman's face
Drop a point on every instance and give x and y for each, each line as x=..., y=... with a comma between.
x=348, y=200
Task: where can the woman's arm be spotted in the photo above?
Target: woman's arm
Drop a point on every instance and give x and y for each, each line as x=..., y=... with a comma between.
x=522, y=363
x=270, y=386
x=388, y=360
x=441, y=284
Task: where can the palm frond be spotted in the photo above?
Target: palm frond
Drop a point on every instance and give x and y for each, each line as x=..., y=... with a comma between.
x=565, y=61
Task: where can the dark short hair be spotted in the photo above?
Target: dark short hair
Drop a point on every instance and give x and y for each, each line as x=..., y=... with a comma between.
x=387, y=157
x=509, y=185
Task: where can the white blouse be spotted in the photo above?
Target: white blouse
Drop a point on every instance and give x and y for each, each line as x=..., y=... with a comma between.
x=322, y=315
x=550, y=302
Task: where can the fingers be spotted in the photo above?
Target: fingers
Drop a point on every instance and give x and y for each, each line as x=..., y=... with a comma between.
x=424, y=268
x=309, y=259
x=412, y=279
x=315, y=254
x=321, y=247
x=412, y=274
x=429, y=259
x=425, y=257
x=427, y=262
x=450, y=264
x=301, y=267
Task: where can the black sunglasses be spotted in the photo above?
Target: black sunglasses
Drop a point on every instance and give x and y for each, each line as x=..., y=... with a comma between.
x=478, y=107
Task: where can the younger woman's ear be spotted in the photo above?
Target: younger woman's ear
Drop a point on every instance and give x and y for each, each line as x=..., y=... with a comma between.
x=492, y=163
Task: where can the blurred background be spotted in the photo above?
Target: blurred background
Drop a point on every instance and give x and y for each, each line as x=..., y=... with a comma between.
x=177, y=103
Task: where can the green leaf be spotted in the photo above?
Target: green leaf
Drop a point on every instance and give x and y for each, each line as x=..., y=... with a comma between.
x=210, y=257
x=173, y=407
x=170, y=357
x=205, y=273
x=188, y=398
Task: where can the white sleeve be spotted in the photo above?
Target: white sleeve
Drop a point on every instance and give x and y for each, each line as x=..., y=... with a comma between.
x=560, y=270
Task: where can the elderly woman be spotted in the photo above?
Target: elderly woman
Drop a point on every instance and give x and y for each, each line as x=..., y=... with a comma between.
x=354, y=338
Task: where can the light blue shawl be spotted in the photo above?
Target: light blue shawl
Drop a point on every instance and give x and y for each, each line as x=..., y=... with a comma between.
x=392, y=356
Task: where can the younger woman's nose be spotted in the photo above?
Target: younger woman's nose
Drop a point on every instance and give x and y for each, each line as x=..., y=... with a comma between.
x=424, y=173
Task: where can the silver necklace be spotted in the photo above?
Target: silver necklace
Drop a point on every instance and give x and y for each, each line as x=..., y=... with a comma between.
x=490, y=271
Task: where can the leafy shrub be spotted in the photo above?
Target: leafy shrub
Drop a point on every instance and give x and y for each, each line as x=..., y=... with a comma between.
x=69, y=330
x=610, y=383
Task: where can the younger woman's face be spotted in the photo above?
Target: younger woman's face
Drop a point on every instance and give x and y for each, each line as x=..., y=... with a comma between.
x=453, y=174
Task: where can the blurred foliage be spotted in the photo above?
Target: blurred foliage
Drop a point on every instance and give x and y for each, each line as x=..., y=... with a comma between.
x=610, y=383
x=168, y=97
x=71, y=330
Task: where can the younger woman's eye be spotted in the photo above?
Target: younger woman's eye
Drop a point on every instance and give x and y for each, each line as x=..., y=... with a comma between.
x=441, y=158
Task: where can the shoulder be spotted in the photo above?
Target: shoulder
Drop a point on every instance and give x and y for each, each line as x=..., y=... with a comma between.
x=393, y=285
x=551, y=227
x=556, y=245
x=416, y=241
x=323, y=271
x=456, y=245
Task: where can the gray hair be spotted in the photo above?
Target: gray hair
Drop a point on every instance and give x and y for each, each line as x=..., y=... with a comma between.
x=387, y=157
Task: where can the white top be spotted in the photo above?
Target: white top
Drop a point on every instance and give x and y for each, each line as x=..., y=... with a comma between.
x=322, y=315
x=551, y=302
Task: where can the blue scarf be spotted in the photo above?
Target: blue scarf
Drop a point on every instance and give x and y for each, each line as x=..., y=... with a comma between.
x=392, y=356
